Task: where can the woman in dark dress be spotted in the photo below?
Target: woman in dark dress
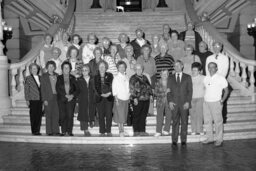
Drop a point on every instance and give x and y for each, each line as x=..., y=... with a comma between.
x=66, y=88
x=104, y=98
x=86, y=102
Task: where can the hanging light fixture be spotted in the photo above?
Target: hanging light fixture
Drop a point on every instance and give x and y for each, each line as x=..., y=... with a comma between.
x=128, y=2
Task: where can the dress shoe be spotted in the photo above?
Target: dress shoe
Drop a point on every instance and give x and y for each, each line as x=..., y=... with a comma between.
x=207, y=142
x=87, y=134
x=174, y=145
x=50, y=134
x=37, y=133
x=109, y=134
x=183, y=144
x=102, y=135
x=92, y=123
x=62, y=134
x=71, y=134
x=136, y=134
x=143, y=134
x=218, y=144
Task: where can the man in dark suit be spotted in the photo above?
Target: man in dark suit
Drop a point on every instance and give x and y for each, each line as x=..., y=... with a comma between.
x=179, y=98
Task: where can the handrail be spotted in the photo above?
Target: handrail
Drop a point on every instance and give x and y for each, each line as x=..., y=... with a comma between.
x=33, y=53
x=213, y=31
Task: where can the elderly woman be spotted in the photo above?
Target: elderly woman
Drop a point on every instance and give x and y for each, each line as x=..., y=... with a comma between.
x=75, y=43
x=87, y=49
x=86, y=100
x=46, y=51
x=104, y=98
x=63, y=45
x=203, y=54
x=120, y=89
x=75, y=62
x=55, y=58
x=49, y=98
x=66, y=88
x=110, y=61
x=155, y=45
x=141, y=91
x=114, y=53
x=162, y=105
x=176, y=46
x=129, y=60
x=33, y=98
x=95, y=61
x=190, y=36
x=165, y=38
x=138, y=43
x=188, y=59
x=147, y=61
x=123, y=39
x=106, y=43
x=163, y=61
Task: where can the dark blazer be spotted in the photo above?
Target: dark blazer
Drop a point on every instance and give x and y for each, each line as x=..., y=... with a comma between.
x=102, y=89
x=46, y=88
x=32, y=89
x=180, y=93
x=198, y=38
x=86, y=99
x=60, y=88
x=137, y=48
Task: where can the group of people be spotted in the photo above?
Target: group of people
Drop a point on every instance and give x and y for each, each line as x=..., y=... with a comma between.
x=106, y=81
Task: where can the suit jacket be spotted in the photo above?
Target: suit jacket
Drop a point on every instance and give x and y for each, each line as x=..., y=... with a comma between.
x=32, y=89
x=102, y=89
x=180, y=93
x=198, y=38
x=137, y=48
x=60, y=88
x=46, y=87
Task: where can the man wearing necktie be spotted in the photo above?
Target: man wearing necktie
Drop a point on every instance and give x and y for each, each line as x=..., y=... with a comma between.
x=179, y=98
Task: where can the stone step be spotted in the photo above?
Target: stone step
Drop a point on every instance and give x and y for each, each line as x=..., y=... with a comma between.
x=241, y=107
x=24, y=119
x=28, y=138
x=151, y=129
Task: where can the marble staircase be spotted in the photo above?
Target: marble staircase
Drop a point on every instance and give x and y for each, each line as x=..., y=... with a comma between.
x=241, y=124
x=112, y=24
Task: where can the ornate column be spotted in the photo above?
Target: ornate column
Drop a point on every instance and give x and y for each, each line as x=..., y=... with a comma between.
x=5, y=101
x=96, y=4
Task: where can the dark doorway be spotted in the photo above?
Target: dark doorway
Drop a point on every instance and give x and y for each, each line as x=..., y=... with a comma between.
x=130, y=5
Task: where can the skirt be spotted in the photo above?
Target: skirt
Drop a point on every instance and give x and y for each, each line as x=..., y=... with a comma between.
x=120, y=111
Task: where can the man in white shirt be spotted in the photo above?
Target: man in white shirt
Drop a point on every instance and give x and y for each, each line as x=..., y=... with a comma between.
x=213, y=103
x=220, y=59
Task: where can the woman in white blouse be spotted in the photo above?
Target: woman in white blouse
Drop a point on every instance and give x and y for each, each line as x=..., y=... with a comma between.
x=120, y=89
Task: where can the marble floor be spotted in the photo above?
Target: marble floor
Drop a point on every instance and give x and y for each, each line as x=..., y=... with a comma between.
x=234, y=155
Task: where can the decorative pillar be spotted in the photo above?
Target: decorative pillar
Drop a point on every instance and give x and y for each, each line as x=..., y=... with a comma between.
x=162, y=4
x=5, y=101
x=96, y=4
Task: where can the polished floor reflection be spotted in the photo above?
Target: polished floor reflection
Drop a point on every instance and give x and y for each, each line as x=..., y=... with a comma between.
x=234, y=155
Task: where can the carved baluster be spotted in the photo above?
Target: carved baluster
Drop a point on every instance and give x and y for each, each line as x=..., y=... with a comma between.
x=232, y=67
x=252, y=79
x=21, y=79
x=244, y=75
x=237, y=71
x=13, y=81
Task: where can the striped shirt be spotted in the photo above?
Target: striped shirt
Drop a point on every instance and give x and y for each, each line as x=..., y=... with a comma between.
x=166, y=62
x=111, y=64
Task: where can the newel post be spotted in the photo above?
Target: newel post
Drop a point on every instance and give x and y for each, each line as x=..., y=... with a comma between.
x=5, y=102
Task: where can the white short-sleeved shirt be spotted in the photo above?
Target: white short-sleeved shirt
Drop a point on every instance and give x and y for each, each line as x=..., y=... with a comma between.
x=213, y=87
x=222, y=62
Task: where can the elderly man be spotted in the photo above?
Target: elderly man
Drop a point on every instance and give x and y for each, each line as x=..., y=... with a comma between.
x=214, y=84
x=220, y=59
x=179, y=98
x=138, y=42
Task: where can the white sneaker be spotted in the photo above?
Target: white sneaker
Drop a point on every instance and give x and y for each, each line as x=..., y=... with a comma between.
x=166, y=133
x=202, y=133
x=157, y=134
x=193, y=133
